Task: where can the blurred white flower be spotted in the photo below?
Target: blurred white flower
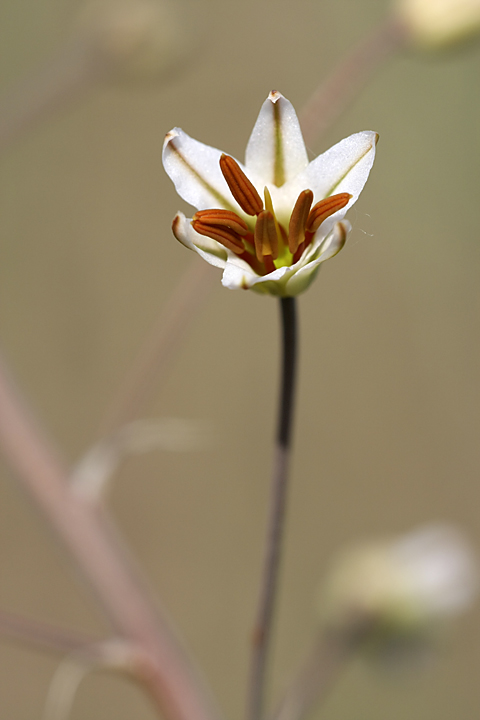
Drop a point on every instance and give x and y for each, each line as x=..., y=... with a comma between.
x=399, y=594
x=271, y=222
x=436, y=23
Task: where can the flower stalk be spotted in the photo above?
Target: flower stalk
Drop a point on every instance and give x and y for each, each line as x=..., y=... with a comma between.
x=273, y=550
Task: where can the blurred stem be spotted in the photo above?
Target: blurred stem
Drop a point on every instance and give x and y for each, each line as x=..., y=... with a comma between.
x=266, y=607
x=160, y=346
x=323, y=666
x=349, y=77
x=44, y=635
x=162, y=665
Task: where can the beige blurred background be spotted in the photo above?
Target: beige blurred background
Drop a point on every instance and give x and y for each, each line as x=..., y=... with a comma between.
x=388, y=406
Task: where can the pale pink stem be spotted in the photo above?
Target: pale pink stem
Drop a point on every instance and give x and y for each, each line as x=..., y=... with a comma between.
x=160, y=346
x=90, y=538
x=348, y=78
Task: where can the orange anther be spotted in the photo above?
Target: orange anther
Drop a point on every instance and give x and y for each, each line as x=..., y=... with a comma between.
x=240, y=186
x=222, y=217
x=265, y=236
x=222, y=234
x=323, y=209
x=298, y=220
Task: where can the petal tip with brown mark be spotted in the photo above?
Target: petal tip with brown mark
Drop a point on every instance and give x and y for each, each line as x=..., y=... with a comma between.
x=274, y=96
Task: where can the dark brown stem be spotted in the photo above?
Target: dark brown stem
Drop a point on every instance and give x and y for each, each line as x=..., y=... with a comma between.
x=349, y=77
x=275, y=532
x=88, y=535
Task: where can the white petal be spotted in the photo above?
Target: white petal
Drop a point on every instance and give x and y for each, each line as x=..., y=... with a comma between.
x=335, y=241
x=301, y=280
x=210, y=250
x=238, y=274
x=343, y=168
x=275, y=150
x=195, y=171
x=305, y=275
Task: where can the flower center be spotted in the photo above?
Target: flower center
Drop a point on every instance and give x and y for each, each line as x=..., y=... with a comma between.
x=269, y=245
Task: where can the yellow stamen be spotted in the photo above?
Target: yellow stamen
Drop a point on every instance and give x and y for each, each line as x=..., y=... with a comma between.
x=240, y=186
x=323, y=209
x=266, y=243
x=298, y=220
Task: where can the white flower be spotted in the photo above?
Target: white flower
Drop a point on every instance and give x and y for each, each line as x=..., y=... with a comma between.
x=401, y=592
x=270, y=222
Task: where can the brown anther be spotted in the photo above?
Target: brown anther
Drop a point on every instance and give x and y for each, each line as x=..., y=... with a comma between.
x=222, y=234
x=265, y=236
x=222, y=217
x=240, y=186
x=298, y=220
x=323, y=209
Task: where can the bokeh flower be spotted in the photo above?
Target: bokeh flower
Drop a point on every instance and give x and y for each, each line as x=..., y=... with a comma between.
x=398, y=595
x=436, y=23
x=271, y=222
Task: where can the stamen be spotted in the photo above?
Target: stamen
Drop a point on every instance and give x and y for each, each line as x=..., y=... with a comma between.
x=269, y=206
x=224, y=218
x=269, y=264
x=240, y=186
x=222, y=234
x=298, y=220
x=323, y=209
x=266, y=242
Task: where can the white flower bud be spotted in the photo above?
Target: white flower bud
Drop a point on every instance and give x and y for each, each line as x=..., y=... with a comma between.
x=400, y=593
x=133, y=39
x=435, y=23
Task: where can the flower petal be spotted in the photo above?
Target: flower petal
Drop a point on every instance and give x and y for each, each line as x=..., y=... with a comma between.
x=195, y=171
x=275, y=150
x=343, y=168
x=335, y=241
x=302, y=279
x=210, y=250
x=239, y=275
x=332, y=245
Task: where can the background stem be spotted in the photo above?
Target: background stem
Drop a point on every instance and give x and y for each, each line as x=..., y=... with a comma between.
x=89, y=536
x=266, y=606
x=160, y=347
x=325, y=663
x=349, y=77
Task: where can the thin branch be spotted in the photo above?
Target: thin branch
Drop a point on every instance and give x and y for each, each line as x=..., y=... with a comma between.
x=91, y=540
x=109, y=655
x=44, y=635
x=269, y=582
x=322, y=668
x=348, y=78
x=160, y=346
